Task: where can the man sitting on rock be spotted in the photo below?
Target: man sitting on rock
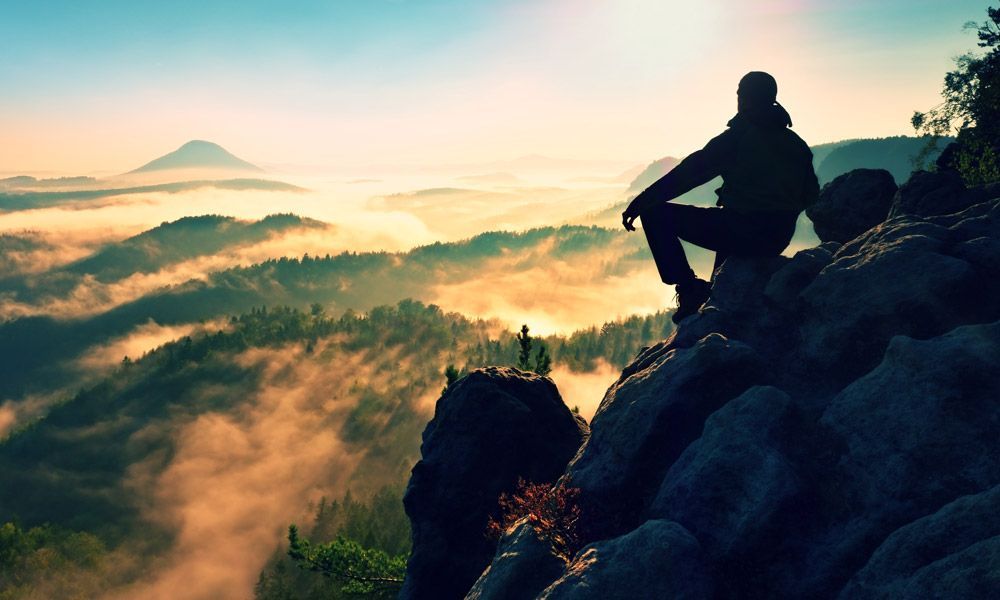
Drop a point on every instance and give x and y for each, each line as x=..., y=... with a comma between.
x=768, y=179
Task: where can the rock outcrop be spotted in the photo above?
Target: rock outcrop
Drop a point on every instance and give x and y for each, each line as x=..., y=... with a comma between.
x=852, y=204
x=523, y=566
x=658, y=559
x=827, y=426
x=928, y=194
x=489, y=428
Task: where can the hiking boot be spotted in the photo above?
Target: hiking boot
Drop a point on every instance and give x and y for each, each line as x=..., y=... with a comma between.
x=690, y=297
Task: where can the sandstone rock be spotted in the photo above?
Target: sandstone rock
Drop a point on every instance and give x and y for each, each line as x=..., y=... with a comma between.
x=927, y=194
x=731, y=485
x=852, y=204
x=897, y=279
x=954, y=552
x=919, y=431
x=736, y=305
x=647, y=420
x=660, y=559
x=784, y=287
x=740, y=281
x=523, y=566
x=490, y=428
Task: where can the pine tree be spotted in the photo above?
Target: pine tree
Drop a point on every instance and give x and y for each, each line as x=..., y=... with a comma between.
x=542, y=363
x=451, y=375
x=524, y=356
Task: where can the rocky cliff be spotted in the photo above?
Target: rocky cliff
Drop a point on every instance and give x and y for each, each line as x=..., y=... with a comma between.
x=828, y=426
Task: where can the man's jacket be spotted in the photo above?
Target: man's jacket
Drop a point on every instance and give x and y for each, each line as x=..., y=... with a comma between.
x=764, y=166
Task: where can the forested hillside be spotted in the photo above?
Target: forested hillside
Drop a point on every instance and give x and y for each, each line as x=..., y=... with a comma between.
x=274, y=409
x=40, y=349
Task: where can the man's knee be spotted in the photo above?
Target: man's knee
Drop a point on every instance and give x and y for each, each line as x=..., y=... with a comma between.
x=653, y=212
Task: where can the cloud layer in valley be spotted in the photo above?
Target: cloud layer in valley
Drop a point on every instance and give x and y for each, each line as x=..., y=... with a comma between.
x=238, y=478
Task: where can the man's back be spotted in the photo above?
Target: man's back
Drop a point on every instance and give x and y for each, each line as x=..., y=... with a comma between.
x=770, y=168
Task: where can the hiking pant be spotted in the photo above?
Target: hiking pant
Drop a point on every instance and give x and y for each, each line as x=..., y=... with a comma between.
x=728, y=232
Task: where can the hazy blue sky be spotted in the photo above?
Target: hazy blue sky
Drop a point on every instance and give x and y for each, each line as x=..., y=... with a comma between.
x=106, y=85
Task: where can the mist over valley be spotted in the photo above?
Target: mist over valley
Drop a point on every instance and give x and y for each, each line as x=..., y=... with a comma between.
x=193, y=355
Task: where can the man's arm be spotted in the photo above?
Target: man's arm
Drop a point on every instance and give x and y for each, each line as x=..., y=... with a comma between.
x=698, y=168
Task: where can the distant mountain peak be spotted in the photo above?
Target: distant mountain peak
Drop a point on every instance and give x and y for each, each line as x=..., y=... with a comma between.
x=198, y=154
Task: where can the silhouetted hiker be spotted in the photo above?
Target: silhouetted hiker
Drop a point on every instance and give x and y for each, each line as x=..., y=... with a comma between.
x=768, y=179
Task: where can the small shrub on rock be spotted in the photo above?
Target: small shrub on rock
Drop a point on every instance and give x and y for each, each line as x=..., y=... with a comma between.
x=554, y=512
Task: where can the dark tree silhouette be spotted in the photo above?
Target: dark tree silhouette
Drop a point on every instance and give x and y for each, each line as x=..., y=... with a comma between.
x=971, y=109
x=542, y=363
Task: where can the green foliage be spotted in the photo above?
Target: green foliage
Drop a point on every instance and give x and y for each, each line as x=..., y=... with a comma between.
x=543, y=362
x=359, y=570
x=372, y=538
x=615, y=342
x=976, y=158
x=451, y=375
x=971, y=107
x=63, y=563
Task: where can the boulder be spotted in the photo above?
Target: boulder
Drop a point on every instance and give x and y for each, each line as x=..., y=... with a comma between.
x=647, y=420
x=523, y=566
x=852, y=204
x=659, y=559
x=490, y=428
x=902, y=277
x=954, y=552
x=732, y=485
x=918, y=431
x=736, y=305
x=932, y=193
x=784, y=287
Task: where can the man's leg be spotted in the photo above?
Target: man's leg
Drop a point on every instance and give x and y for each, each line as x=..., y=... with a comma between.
x=727, y=232
x=666, y=224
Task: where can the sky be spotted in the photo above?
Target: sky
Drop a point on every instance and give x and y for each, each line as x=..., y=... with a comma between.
x=104, y=86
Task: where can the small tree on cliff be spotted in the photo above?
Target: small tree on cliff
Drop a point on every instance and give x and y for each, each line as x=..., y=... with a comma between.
x=971, y=109
x=362, y=571
x=542, y=363
x=451, y=375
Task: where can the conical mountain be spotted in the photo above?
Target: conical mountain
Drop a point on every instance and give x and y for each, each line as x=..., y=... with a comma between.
x=198, y=154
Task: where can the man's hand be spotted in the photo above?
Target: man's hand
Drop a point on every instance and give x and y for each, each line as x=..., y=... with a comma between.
x=631, y=214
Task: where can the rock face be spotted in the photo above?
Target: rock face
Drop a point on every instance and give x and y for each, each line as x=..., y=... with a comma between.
x=659, y=559
x=939, y=193
x=852, y=204
x=523, y=566
x=827, y=426
x=489, y=428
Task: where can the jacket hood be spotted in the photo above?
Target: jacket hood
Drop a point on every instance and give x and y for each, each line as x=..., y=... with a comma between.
x=773, y=115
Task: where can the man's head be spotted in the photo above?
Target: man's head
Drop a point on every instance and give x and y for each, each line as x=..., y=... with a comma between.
x=757, y=90
x=757, y=100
